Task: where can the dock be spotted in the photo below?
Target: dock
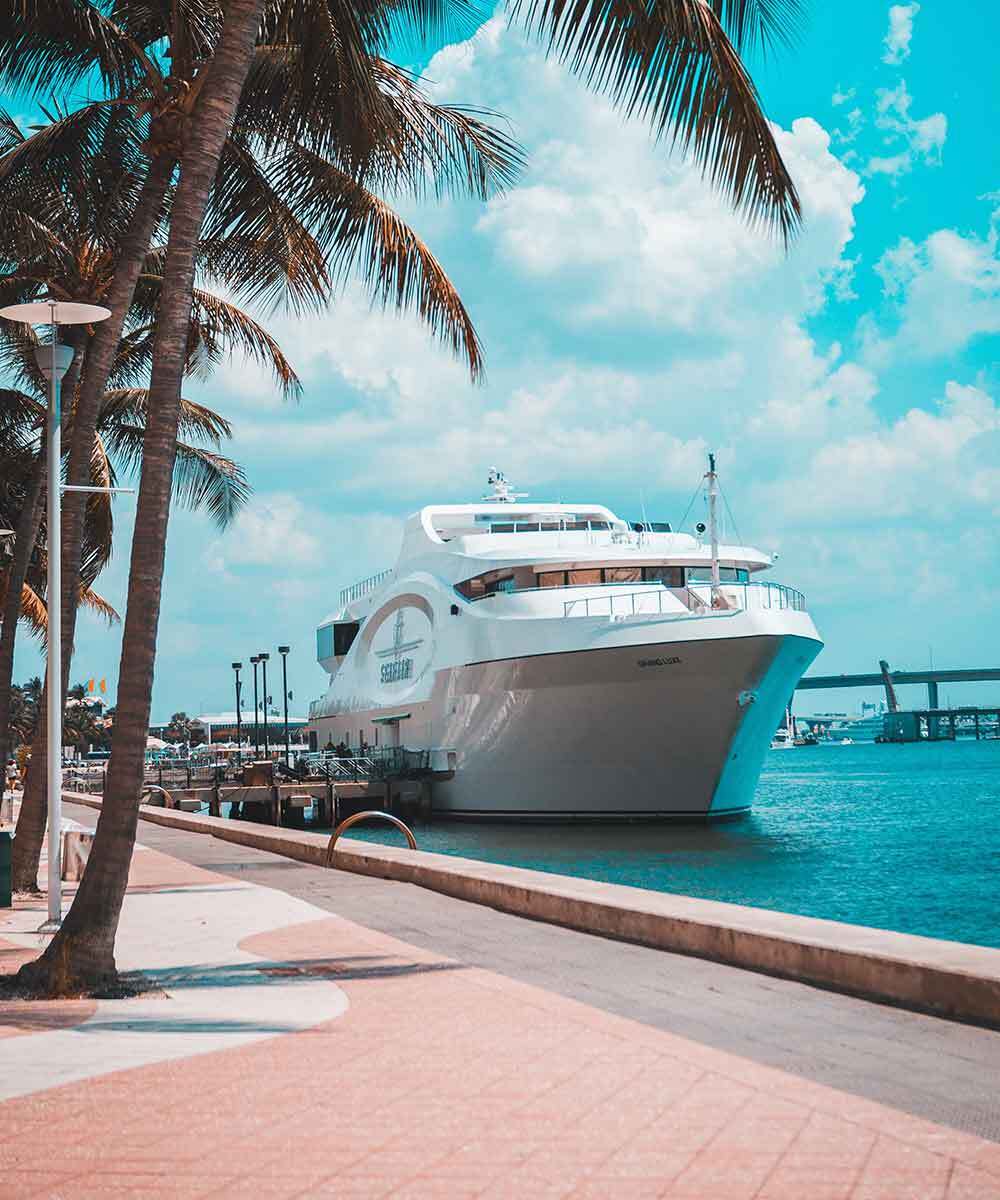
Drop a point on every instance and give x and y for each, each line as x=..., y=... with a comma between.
x=941, y=725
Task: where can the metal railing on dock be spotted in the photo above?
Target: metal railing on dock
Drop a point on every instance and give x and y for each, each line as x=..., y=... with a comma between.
x=370, y=814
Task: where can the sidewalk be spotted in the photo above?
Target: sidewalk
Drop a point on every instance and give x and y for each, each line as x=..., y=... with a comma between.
x=294, y=1053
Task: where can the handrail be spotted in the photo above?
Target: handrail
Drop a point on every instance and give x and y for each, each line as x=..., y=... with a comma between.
x=168, y=801
x=363, y=816
x=697, y=598
x=349, y=594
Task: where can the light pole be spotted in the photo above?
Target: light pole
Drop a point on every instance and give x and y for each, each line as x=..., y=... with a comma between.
x=263, y=666
x=54, y=361
x=283, y=651
x=237, y=667
x=256, y=709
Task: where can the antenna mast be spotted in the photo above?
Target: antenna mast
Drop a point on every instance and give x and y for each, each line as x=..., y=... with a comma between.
x=713, y=524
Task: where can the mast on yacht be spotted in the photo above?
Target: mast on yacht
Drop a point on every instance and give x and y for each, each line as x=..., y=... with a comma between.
x=713, y=525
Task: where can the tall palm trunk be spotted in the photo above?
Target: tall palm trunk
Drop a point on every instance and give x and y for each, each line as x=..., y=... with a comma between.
x=99, y=360
x=25, y=537
x=81, y=955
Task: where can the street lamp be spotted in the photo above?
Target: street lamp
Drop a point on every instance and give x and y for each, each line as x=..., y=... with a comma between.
x=283, y=651
x=54, y=361
x=237, y=667
x=263, y=666
x=256, y=708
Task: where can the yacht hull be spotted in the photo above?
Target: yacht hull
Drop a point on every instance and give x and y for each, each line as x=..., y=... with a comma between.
x=659, y=731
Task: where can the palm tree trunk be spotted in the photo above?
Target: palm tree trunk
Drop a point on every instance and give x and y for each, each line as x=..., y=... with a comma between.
x=25, y=536
x=81, y=955
x=99, y=360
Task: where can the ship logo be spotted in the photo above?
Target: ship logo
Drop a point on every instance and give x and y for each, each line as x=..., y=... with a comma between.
x=399, y=664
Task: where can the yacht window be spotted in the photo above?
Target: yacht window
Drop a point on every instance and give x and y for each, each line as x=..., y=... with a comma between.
x=599, y=525
x=344, y=633
x=576, y=524
x=500, y=585
x=548, y=527
x=527, y=527
x=668, y=576
x=726, y=575
x=622, y=574
x=590, y=575
x=551, y=579
x=502, y=527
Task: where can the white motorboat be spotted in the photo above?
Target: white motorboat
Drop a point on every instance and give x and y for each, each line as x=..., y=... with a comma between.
x=552, y=661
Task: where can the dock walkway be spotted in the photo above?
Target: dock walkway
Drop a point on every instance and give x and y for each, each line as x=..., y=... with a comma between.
x=445, y=1049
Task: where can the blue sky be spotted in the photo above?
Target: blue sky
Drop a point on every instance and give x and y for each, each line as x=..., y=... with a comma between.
x=631, y=323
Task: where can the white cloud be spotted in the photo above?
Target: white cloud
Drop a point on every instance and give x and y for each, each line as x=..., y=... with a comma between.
x=932, y=466
x=946, y=290
x=842, y=95
x=900, y=34
x=269, y=529
x=683, y=326
x=920, y=138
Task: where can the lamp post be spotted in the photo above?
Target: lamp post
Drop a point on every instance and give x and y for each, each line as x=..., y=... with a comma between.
x=237, y=667
x=256, y=708
x=283, y=651
x=54, y=361
x=263, y=666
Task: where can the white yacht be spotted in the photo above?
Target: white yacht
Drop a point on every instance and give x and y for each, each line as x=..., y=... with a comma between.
x=555, y=662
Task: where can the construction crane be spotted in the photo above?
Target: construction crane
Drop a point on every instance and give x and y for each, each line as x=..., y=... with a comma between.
x=890, y=691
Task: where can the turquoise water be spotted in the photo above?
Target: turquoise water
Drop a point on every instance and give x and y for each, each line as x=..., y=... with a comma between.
x=898, y=837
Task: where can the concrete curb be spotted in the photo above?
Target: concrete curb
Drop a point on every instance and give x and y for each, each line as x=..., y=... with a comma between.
x=949, y=979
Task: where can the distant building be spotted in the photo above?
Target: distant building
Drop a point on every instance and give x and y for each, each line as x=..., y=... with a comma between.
x=221, y=727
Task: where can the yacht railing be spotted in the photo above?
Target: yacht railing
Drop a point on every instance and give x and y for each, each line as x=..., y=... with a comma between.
x=697, y=599
x=349, y=594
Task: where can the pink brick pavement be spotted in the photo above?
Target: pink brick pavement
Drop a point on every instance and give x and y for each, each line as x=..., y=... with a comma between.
x=446, y=1081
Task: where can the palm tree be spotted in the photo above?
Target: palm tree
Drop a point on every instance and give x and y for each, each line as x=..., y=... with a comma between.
x=672, y=64
x=254, y=241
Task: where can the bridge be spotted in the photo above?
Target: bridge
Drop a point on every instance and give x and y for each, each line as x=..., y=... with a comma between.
x=876, y=679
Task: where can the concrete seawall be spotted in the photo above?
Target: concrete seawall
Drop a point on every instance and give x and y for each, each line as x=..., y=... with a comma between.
x=947, y=978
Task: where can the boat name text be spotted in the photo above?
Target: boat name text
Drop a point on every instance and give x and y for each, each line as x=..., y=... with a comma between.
x=658, y=662
x=397, y=670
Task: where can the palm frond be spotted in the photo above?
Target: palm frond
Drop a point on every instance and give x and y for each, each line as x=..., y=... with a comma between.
x=220, y=328
x=670, y=63
x=88, y=598
x=210, y=481
x=34, y=612
x=759, y=23
x=51, y=45
x=362, y=235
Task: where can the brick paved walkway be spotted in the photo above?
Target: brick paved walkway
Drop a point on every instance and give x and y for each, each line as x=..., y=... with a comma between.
x=446, y=1081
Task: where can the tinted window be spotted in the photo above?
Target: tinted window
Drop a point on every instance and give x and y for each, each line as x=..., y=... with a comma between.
x=599, y=525
x=668, y=576
x=502, y=527
x=526, y=527
x=344, y=633
x=622, y=574
x=590, y=575
x=576, y=524
x=726, y=574
x=551, y=579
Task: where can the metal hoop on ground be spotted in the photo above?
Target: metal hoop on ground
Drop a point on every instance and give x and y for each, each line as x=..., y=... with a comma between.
x=364, y=816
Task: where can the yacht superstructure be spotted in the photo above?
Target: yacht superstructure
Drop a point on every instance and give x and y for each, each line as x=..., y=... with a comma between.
x=561, y=663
